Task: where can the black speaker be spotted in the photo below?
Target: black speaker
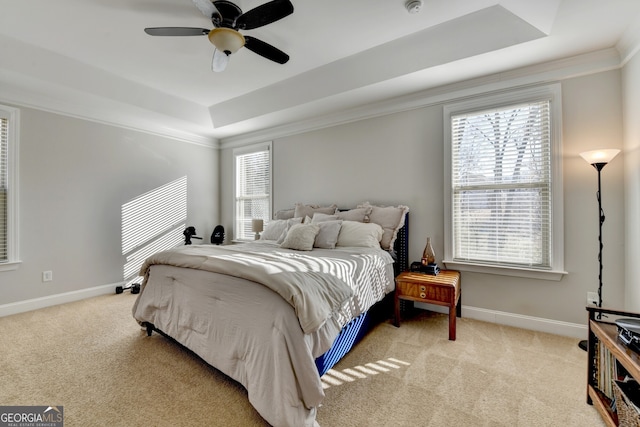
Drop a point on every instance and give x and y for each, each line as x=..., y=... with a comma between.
x=431, y=269
x=217, y=237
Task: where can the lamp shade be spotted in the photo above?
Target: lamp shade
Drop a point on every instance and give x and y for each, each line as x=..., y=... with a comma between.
x=226, y=40
x=599, y=156
x=257, y=225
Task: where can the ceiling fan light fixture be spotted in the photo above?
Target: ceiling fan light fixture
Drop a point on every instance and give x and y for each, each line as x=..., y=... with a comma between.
x=226, y=40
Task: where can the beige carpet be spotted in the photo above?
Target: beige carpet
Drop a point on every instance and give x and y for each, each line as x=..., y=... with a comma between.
x=92, y=358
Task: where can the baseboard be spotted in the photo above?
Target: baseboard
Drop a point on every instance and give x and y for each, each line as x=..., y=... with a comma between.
x=51, y=300
x=539, y=324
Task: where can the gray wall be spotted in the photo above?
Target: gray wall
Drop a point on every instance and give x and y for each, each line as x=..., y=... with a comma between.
x=631, y=111
x=75, y=175
x=397, y=159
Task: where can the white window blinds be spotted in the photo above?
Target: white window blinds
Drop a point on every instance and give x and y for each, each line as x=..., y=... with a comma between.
x=501, y=186
x=253, y=189
x=4, y=188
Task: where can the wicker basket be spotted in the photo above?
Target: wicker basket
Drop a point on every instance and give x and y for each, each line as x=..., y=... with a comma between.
x=628, y=415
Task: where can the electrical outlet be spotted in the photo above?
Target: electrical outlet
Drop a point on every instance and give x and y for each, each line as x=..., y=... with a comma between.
x=592, y=298
x=47, y=276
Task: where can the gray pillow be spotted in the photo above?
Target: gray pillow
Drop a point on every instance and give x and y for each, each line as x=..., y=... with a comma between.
x=320, y=217
x=308, y=210
x=301, y=237
x=390, y=218
x=284, y=214
x=358, y=214
x=273, y=229
x=328, y=235
x=290, y=223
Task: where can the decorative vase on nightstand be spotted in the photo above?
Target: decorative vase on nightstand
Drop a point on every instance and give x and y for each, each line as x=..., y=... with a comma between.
x=428, y=255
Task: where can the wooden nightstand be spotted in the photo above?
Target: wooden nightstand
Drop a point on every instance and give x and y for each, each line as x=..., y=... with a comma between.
x=443, y=289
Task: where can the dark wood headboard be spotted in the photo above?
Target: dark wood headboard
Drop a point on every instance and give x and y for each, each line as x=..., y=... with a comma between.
x=401, y=248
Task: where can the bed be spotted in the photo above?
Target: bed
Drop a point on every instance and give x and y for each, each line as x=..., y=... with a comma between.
x=276, y=314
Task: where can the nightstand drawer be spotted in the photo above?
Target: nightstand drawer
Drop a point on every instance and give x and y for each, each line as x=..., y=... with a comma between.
x=431, y=293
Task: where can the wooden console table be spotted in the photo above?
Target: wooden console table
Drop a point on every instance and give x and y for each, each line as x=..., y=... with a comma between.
x=442, y=289
x=603, y=340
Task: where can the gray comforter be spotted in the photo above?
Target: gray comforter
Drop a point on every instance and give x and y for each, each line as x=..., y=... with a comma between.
x=262, y=314
x=298, y=278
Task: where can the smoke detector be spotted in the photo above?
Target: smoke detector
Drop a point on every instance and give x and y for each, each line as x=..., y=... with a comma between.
x=413, y=6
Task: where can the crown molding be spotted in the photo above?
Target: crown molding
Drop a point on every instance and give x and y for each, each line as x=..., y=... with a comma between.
x=35, y=94
x=552, y=71
x=30, y=93
x=629, y=44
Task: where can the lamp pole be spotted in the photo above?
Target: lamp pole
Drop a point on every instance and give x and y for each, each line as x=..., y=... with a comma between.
x=599, y=167
x=598, y=159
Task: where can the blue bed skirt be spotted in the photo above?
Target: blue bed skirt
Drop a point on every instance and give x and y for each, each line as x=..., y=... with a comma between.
x=350, y=335
x=353, y=332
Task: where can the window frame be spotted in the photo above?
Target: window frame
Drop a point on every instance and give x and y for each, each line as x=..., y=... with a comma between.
x=13, y=248
x=553, y=94
x=254, y=148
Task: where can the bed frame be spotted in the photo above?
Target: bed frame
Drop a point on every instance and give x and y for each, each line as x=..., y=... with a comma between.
x=355, y=330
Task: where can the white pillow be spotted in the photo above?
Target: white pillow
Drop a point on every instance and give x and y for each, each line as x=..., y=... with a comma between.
x=360, y=234
x=301, y=237
x=328, y=235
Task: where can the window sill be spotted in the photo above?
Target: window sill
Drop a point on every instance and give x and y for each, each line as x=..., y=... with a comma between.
x=529, y=273
x=8, y=266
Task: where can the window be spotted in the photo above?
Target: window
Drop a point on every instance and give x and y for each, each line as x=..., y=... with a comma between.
x=252, y=188
x=8, y=188
x=504, y=184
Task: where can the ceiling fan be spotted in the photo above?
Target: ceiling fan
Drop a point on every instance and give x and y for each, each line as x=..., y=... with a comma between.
x=228, y=19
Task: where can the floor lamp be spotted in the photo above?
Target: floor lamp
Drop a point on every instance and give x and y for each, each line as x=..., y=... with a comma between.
x=598, y=159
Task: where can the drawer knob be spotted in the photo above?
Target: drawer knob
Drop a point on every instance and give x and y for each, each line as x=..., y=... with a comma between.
x=423, y=295
x=423, y=288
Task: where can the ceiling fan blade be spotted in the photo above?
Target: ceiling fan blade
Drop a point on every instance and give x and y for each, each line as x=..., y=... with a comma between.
x=176, y=31
x=207, y=8
x=265, y=49
x=228, y=12
x=219, y=61
x=264, y=14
